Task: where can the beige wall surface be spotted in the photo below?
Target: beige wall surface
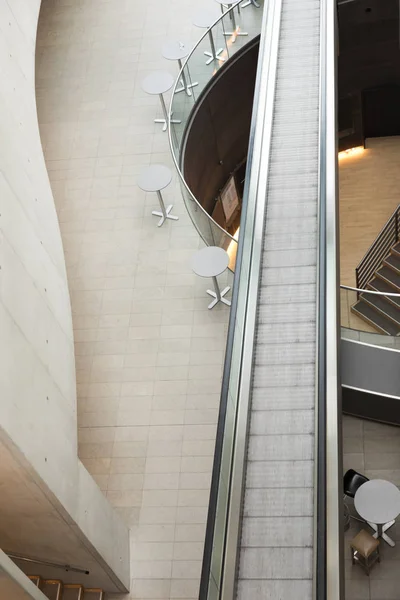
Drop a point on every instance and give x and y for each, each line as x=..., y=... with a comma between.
x=37, y=372
x=369, y=194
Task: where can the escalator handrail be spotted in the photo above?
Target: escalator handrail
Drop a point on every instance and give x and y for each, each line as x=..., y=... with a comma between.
x=328, y=539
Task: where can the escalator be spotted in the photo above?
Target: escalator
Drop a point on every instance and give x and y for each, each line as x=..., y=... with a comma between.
x=274, y=523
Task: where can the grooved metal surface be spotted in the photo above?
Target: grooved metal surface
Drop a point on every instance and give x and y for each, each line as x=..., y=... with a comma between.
x=276, y=547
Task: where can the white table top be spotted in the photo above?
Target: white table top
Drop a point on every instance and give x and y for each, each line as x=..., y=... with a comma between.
x=377, y=501
x=205, y=18
x=154, y=178
x=175, y=50
x=158, y=82
x=225, y=2
x=210, y=262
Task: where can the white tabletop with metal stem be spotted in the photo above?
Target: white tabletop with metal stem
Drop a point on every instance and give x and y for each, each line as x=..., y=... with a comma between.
x=178, y=51
x=211, y=262
x=158, y=83
x=378, y=502
x=154, y=179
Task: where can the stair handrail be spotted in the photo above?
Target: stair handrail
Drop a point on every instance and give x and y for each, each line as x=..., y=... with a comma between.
x=47, y=563
x=366, y=291
x=379, y=249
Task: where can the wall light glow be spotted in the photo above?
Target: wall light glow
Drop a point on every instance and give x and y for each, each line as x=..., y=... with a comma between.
x=351, y=152
x=232, y=249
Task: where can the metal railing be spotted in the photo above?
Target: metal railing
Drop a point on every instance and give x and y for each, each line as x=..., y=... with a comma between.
x=197, y=76
x=224, y=514
x=379, y=250
x=365, y=291
x=354, y=327
x=38, y=561
x=328, y=543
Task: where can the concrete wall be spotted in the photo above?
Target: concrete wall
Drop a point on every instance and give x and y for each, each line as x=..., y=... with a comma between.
x=37, y=369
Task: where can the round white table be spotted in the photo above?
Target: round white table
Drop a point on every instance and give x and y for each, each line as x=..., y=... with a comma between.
x=204, y=19
x=378, y=502
x=154, y=179
x=178, y=51
x=211, y=262
x=158, y=83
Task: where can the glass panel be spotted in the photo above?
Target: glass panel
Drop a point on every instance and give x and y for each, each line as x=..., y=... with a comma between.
x=235, y=28
x=365, y=313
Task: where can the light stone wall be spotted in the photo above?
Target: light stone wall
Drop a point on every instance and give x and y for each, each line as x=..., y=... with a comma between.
x=37, y=372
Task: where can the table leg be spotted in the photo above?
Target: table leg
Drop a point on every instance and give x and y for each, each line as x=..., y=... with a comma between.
x=380, y=532
x=236, y=30
x=249, y=3
x=218, y=295
x=165, y=212
x=214, y=54
x=185, y=86
x=387, y=538
x=165, y=113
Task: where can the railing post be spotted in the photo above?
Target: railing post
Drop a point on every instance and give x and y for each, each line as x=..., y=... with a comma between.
x=397, y=224
x=357, y=280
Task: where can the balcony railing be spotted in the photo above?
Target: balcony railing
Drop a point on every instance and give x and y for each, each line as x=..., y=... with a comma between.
x=230, y=32
x=379, y=250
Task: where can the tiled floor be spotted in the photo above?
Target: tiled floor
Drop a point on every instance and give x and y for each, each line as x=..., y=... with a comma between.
x=373, y=449
x=149, y=354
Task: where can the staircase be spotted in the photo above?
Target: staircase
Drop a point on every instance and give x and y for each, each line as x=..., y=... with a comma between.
x=383, y=312
x=57, y=590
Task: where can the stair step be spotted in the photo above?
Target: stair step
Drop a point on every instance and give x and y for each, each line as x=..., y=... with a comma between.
x=383, y=306
x=379, y=285
x=93, y=594
x=52, y=588
x=374, y=318
x=393, y=262
x=36, y=579
x=390, y=276
x=396, y=249
x=72, y=591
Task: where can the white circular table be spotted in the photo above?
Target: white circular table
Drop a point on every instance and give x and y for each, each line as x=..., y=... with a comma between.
x=211, y=262
x=236, y=31
x=173, y=50
x=204, y=19
x=378, y=502
x=156, y=84
x=154, y=179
